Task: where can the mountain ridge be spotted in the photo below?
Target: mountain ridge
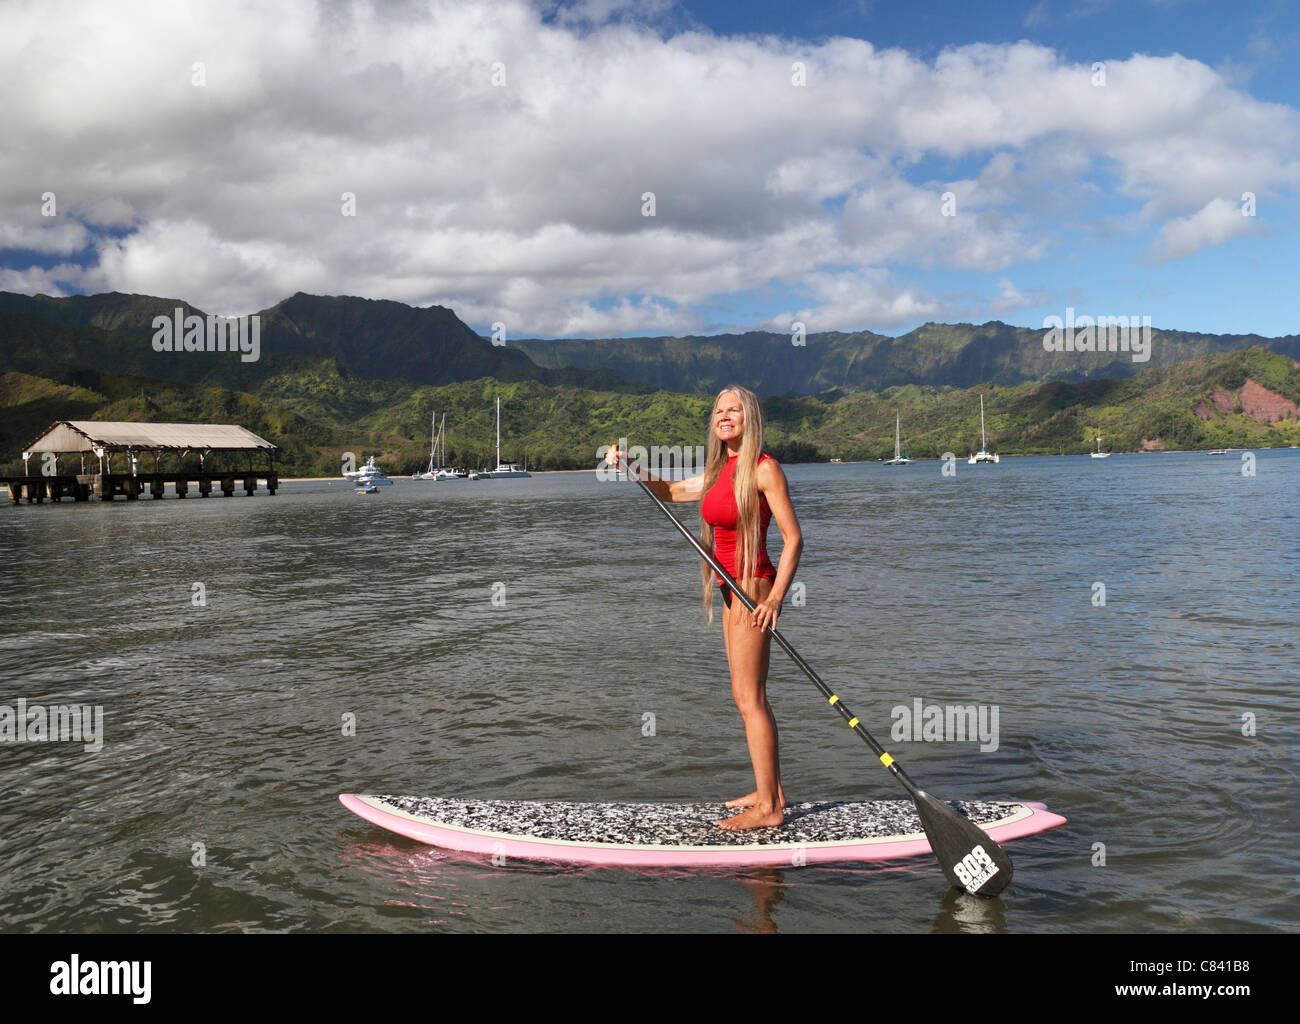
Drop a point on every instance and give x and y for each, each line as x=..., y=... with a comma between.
x=316, y=418
x=933, y=354
x=386, y=339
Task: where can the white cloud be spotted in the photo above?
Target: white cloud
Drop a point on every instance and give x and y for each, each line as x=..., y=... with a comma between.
x=40, y=280
x=525, y=200
x=596, y=12
x=894, y=222
x=1218, y=221
x=28, y=230
x=581, y=319
x=1037, y=16
x=185, y=259
x=856, y=298
x=1011, y=298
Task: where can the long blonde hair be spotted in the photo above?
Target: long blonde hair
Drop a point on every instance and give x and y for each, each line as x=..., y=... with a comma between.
x=745, y=485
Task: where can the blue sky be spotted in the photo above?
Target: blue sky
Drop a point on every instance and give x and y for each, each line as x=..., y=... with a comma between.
x=846, y=165
x=1258, y=39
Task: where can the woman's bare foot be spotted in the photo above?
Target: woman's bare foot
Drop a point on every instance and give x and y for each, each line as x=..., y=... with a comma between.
x=754, y=817
x=752, y=799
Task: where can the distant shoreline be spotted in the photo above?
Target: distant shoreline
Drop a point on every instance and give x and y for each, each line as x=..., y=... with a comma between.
x=865, y=462
x=341, y=480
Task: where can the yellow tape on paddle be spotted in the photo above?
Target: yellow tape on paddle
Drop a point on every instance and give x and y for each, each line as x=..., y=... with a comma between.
x=853, y=723
x=886, y=760
x=834, y=698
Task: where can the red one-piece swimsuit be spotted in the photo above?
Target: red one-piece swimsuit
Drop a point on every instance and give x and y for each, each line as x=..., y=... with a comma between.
x=720, y=511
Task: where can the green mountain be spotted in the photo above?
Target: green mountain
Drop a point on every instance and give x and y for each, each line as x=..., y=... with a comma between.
x=340, y=375
x=1218, y=401
x=369, y=338
x=385, y=340
x=933, y=355
x=1240, y=399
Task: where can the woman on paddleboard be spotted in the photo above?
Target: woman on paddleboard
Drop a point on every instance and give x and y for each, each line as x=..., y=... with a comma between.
x=743, y=489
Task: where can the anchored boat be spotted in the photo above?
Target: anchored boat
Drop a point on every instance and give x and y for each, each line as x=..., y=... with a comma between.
x=983, y=455
x=504, y=469
x=899, y=458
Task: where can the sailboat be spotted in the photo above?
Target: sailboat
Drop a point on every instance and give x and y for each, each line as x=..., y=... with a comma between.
x=438, y=471
x=1099, y=454
x=429, y=474
x=983, y=455
x=899, y=458
x=504, y=469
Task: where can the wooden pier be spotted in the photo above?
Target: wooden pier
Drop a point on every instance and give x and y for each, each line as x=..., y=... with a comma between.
x=107, y=486
x=96, y=444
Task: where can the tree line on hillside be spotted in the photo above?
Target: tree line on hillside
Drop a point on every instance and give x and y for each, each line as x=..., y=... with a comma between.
x=318, y=413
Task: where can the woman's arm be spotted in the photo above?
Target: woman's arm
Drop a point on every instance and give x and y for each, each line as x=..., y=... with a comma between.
x=689, y=489
x=772, y=485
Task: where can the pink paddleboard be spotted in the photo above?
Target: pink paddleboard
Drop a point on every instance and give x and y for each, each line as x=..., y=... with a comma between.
x=680, y=835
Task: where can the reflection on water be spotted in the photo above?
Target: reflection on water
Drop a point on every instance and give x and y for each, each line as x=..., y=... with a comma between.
x=767, y=886
x=961, y=913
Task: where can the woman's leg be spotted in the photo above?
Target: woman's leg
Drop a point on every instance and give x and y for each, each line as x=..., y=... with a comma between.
x=751, y=798
x=748, y=653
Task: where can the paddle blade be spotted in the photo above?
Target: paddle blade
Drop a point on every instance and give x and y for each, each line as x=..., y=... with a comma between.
x=971, y=860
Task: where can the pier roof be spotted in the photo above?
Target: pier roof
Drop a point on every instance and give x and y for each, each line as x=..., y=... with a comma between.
x=88, y=435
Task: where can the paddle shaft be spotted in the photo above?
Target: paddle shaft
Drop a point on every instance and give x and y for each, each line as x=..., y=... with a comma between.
x=804, y=667
x=970, y=859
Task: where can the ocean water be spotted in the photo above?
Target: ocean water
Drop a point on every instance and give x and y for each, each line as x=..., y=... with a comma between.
x=505, y=639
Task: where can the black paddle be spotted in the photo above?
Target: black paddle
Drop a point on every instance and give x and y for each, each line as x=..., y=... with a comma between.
x=969, y=858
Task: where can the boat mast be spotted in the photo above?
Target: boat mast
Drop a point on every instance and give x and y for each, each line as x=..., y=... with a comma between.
x=897, y=449
x=984, y=441
x=498, y=431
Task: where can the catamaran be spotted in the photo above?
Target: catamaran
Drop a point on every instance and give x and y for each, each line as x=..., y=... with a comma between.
x=899, y=458
x=1099, y=454
x=983, y=455
x=431, y=473
x=504, y=469
x=443, y=471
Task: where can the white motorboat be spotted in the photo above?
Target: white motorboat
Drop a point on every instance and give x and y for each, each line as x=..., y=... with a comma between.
x=369, y=474
x=899, y=458
x=983, y=455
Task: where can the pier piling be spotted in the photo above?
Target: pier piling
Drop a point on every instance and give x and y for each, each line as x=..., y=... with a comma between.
x=82, y=487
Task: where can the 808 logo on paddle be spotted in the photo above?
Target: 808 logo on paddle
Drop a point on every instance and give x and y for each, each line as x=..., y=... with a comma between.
x=975, y=869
